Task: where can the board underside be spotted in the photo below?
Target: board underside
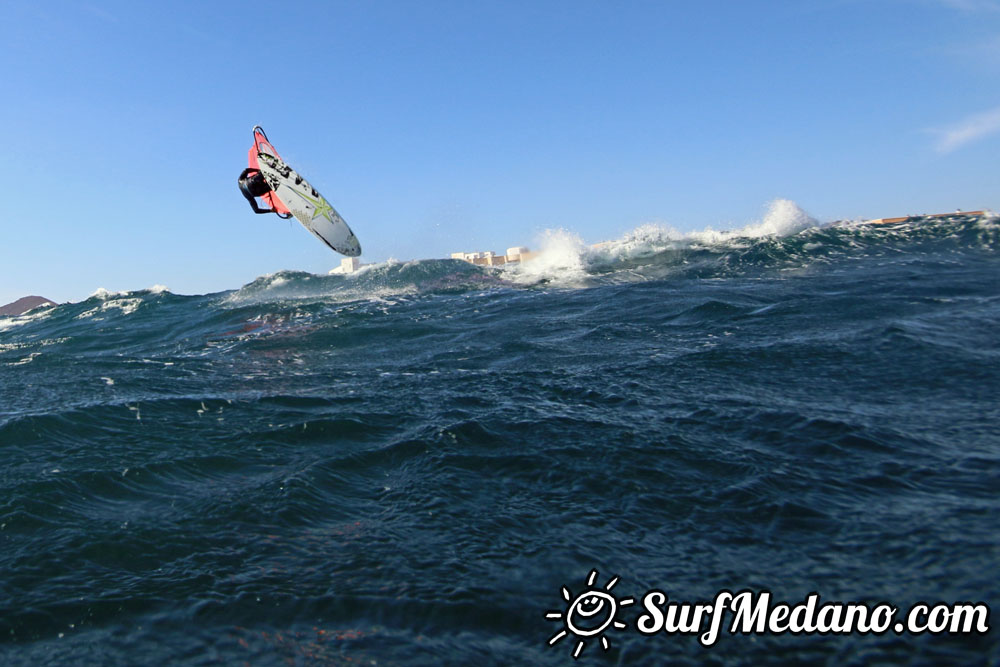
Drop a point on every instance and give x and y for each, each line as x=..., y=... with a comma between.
x=308, y=206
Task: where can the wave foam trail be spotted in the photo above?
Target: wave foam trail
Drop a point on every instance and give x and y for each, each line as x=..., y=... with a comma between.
x=32, y=315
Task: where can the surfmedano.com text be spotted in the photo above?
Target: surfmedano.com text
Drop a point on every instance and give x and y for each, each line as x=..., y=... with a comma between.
x=754, y=613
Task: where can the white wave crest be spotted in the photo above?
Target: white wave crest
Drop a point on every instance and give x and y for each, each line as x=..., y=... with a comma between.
x=105, y=294
x=783, y=218
x=561, y=258
x=564, y=258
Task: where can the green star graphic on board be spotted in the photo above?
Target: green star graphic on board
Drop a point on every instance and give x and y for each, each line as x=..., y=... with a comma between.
x=320, y=206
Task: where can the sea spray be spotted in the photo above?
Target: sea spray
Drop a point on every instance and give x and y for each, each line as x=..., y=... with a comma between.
x=560, y=259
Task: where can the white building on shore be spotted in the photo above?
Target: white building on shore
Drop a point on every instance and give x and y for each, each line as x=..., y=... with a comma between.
x=481, y=258
x=490, y=258
x=347, y=265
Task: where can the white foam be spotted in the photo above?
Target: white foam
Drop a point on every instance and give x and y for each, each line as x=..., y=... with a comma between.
x=374, y=267
x=560, y=258
x=104, y=294
x=112, y=301
x=36, y=313
x=784, y=218
x=563, y=257
x=26, y=360
x=127, y=306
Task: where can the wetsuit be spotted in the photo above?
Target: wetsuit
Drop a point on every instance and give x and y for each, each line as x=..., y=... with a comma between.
x=253, y=185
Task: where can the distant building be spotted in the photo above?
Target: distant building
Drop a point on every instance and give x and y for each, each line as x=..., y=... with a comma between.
x=347, y=265
x=514, y=255
x=490, y=258
x=909, y=218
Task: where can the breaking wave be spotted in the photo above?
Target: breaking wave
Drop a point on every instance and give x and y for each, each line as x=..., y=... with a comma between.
x=786, y=239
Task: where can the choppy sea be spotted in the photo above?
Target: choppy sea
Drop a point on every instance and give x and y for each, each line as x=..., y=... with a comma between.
x=407, y=465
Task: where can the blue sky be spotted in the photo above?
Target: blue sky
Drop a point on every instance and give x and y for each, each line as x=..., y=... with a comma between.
x=439, y=126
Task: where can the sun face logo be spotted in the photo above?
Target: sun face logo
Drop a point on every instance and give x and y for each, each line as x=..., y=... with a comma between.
x=589, y=614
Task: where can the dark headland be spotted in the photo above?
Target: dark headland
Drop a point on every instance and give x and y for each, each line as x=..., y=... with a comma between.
x=24, y=304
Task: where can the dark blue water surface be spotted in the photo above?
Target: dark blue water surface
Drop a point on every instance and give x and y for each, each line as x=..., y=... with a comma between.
x=406, y=465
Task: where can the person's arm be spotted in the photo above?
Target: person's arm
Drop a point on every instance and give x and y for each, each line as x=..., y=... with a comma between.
x=249, y=197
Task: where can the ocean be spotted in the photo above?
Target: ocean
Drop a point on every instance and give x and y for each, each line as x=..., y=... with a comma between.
x=408, y=465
